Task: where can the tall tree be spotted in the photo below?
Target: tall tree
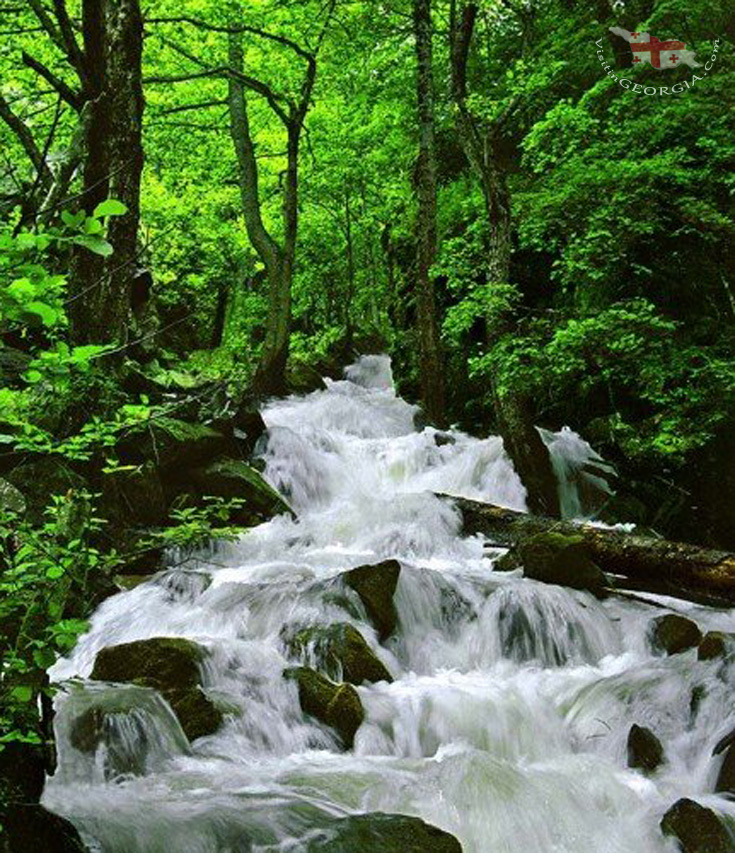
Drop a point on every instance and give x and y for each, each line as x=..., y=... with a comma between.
x=112, y=95
x=430, y=357
x=483, y=144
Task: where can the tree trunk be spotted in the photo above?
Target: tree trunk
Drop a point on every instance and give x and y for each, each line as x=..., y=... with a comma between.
x=278, y=261
x=100, y=287
x=480, y=142
x=674, y=568
x=430, y=359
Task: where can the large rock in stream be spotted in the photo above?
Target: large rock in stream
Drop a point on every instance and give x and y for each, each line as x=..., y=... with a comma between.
x=561, y=559
x=231, y=478
x=383, y=833
x=335, y=705
x=697, y=829
x=339, y=651
x=170, y=665
x=673, y=634
x=376, y=585
x=645, y=751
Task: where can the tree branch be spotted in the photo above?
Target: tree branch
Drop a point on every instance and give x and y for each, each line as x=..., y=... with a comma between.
x=25, y=137
x=65, y=92
x=234, y=30
x=47, y=23
x=71, y=46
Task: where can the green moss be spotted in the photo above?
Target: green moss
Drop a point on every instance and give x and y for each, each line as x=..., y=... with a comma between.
x=335, y=705
x=340, y=651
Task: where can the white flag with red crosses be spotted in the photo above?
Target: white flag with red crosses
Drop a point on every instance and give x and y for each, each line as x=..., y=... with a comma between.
x=661, y=54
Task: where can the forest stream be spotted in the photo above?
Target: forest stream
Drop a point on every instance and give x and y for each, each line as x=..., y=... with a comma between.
x=507, y=720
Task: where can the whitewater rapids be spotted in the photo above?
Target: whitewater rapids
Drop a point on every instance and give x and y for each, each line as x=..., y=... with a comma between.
x=507, y=721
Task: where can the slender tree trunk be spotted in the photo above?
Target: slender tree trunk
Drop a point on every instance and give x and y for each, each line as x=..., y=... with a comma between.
x=430, y=357
x=100, y=287
x=513, y=410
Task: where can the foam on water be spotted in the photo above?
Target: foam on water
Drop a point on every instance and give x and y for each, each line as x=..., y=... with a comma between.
x=508, y=717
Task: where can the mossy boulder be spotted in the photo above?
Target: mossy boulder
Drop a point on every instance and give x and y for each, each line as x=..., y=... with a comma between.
x=560, y=559
x=232, y=478
x=673, y=634
x=172, y=444
x=645, y=751
x=376, y=585
x=382, y=833
x=716, y=644
x=335, y=705
x=339, y=651
x=170, y=665
x=697, y=829
x=39, y=477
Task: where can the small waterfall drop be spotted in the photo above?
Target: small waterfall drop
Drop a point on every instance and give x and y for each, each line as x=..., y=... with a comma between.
x=507, y=719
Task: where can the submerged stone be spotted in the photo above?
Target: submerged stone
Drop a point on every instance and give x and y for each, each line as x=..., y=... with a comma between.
x=376, y=586
x=340, y=651
x=645, y=751
x=335, y=705
x=382, y=833
x=673, y=634
x=698, y=829
x=170, y=665
x=561, y=559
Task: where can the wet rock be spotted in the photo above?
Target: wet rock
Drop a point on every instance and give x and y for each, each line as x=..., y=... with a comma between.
x=340, y=652
x=335, y=705
x=560, y=559
x=376, y=585
x=673, y=634
x=645, y=751
x=170, y=665
x=382, y=833
x=443, y=438
x=698, y=829
x=715, y=644
x=172, y=444
x=232, y=478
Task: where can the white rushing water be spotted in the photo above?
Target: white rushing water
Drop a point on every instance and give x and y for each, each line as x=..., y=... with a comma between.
x=508, y=718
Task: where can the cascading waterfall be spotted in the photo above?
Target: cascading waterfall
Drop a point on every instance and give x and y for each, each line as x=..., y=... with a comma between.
x=507, y=721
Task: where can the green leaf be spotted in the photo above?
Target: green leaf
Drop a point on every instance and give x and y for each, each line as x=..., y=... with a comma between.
x=32, y=376
x=110, y=207
x=48, y=315
x=54, y=572
x=23, y=693
x=95, y=244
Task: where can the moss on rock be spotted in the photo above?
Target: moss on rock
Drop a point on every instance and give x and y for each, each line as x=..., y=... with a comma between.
x=561, y=559
x=335, y=705
x=339, y=651
x=376, y=585
x=170, y=665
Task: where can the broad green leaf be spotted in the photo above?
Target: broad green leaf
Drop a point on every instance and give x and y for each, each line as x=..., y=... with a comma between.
x=95, y=244
x=49, y=316
x=110, y=207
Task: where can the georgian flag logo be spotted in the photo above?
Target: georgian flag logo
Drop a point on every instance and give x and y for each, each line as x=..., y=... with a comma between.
x=661, y=54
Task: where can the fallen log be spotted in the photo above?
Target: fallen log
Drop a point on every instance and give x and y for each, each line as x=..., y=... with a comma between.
x=656, y=565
